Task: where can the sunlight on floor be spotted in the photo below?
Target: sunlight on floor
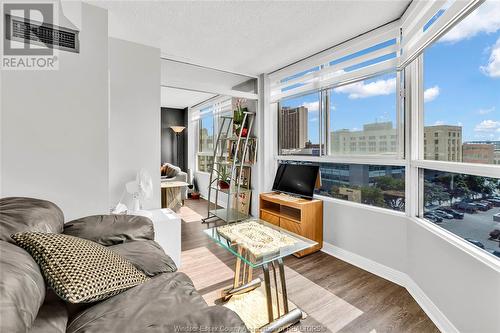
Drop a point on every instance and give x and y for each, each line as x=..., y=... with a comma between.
x=189, y=215
x=252, y=308
x=325, y=307
x=204, y=268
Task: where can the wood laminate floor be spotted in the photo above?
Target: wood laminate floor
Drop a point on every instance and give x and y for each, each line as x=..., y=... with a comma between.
x=337, y=296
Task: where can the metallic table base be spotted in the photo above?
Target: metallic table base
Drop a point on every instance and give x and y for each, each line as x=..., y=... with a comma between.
x=243, y=283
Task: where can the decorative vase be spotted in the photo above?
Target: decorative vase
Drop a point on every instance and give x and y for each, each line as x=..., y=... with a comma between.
x=223, y=185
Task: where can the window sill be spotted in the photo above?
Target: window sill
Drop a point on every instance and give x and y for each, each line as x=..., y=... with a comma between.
x=445, y=235
x=365, y=159
x=361, y=205
x=484, y=170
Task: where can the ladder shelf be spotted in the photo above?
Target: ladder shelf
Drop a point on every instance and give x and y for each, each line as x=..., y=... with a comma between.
x=222, y=160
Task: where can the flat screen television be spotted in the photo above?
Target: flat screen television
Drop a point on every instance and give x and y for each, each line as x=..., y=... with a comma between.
x=296, y=179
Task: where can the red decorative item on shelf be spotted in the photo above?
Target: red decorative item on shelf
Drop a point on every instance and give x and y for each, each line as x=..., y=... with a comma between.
x=244, y=132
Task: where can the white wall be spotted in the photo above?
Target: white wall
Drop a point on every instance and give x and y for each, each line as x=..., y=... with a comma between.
x=54, y=126
x=370, y=233
x=76, y=135
x=464, y=289
x=134, y=135
x=455, y=288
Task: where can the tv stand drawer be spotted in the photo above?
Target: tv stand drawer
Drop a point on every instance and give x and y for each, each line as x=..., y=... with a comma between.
x=268, y=217
x=290, y=225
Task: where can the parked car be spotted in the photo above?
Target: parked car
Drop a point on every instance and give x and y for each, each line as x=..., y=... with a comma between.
x=466, y=207
x=496, y=217
x=443, y=214
x=456, y=214
x=487, y=203
x=432, y=217
x=481, y=206
x=494, y=202
x=475, y=242
x=495, y=234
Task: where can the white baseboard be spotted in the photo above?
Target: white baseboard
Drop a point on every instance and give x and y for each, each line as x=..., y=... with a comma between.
x=400, y=278
x=366, y=264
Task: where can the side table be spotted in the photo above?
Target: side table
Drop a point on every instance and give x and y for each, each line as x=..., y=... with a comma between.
x=171, y=196
x=167, y=226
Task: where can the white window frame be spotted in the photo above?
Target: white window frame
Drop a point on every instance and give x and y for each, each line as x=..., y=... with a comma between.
x=197, y=109
x=398, y=159
x=414, y=79
x=217, y=110
x=320, y=93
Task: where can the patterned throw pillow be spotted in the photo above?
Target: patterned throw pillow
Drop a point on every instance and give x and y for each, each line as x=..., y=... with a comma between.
x=79, y=270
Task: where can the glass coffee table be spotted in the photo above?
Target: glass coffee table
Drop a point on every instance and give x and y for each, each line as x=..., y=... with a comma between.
x=256, y=243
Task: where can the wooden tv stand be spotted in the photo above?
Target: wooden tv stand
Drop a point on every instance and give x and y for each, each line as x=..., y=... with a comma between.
x=301, y=216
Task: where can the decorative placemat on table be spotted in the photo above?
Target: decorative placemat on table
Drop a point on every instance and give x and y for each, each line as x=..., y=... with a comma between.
x=255, y=237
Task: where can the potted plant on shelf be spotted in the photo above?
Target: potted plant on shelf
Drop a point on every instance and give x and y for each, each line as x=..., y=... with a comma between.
x=238, y=116
x=224, y=177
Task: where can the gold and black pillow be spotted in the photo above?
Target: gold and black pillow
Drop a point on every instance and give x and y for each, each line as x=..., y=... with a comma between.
x=79, y=270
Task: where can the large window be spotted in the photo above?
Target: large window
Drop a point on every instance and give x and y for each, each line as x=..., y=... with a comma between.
x=462, y=91
x=205, y=139
x=450, y=87
x=466, y=205
x=363, y=117
x=299, y=125
x=375, y=185
x=461, y=124
x=362, y=120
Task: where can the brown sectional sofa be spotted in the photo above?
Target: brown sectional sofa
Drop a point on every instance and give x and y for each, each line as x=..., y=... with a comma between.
x=168, y=302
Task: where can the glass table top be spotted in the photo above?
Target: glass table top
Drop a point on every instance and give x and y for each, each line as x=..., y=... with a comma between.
x=257, y=242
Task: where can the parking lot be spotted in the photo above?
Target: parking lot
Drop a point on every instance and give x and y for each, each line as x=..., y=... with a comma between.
x=476, y=226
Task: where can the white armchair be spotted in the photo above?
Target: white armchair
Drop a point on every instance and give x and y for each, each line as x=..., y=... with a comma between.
x=178, y=176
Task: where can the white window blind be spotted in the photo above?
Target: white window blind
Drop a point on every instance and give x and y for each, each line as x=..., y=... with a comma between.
x=223, y=107
x=384, y=49
x=366, y=55
x=217, y=106
x=424, y=21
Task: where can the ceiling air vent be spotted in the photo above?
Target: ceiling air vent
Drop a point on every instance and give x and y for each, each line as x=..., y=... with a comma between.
x=43, y=34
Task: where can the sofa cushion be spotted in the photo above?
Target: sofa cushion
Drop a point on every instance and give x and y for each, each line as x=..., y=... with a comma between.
x=111, y=229
x=147, y=256
x=79, y=270
x=22, y=289
x=19, y=214
x=165, y=303
x=52, y=316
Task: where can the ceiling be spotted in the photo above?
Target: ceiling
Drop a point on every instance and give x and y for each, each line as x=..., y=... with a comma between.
x=250, y=37
x=180, y=99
